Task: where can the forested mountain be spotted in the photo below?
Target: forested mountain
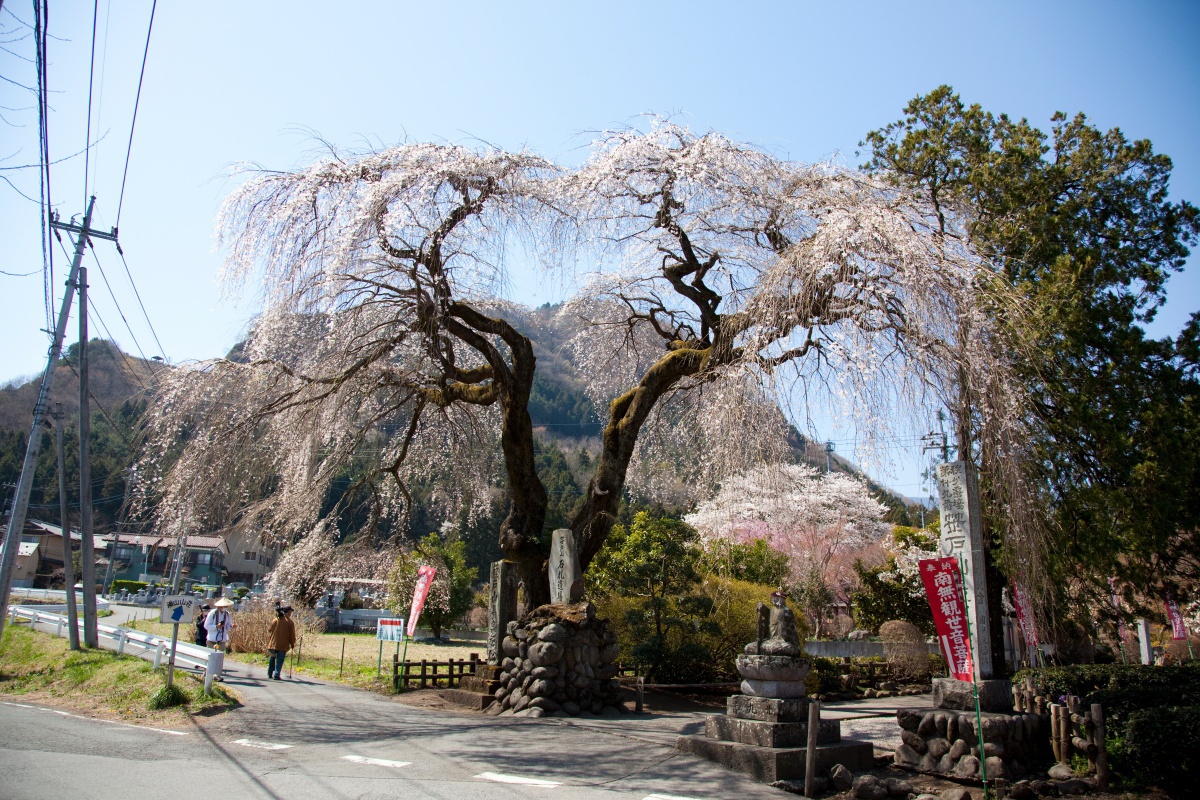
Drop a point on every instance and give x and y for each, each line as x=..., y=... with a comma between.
x=120, y=386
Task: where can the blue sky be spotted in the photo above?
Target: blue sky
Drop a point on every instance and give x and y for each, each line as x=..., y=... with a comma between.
x=229, y=82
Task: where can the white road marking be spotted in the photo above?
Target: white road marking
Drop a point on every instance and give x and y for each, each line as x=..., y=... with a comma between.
x=96, y=719
x=498, y=778
x=261, y=745
x=377, y=762
x=666, y=797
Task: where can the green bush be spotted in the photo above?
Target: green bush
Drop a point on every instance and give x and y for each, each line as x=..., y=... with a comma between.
x=128, y=586
x=1161, y=747
x=169, y=697
x=1121, y=689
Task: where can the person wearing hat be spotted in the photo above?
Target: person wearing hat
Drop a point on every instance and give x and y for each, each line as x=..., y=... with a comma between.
x=219, y=623
x=281, y=636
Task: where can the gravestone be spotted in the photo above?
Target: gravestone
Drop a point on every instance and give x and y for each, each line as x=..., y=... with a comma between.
x=962, y=538
x=566, y=579
x=502, y=606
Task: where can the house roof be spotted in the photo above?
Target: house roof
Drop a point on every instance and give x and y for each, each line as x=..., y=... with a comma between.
x=155, y=540
x=36, y=527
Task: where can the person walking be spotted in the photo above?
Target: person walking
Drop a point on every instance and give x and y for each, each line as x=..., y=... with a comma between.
x=281, y=637
x=201, y=631
x=219, y=624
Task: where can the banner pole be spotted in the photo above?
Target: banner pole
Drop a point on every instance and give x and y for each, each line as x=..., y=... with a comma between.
x=975, y=692
x=403, y=658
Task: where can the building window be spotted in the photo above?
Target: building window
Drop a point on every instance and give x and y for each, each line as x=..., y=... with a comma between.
x=124, y=553
x=203, y=558
x=249, y=556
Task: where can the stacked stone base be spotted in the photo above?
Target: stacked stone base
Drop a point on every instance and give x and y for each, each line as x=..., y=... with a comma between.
x=476, y=691
x=766, y=739
x=558, y=661
x=944, y=741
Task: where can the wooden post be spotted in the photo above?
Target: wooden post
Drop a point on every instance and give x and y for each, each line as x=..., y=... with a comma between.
x=1064, y=734
x=1102, y=751
x=810, y=752
x=342, y=663
x=424, y=673
x=1054, y=738
x=639, y=696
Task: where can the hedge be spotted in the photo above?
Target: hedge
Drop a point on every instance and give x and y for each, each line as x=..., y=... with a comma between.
x=1121, y=689
x=128, y=586
x=1162, y=748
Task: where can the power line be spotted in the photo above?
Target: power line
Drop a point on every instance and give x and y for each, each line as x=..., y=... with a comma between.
x=113, y=295
x=161, y=350
x=133, y=124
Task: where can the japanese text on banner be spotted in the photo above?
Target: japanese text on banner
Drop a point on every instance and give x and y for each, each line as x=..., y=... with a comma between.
x=1178, y=629
x=1025, y=615
x=943, y=588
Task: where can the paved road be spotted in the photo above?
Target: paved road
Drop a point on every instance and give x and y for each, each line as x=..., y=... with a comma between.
x=302, y=740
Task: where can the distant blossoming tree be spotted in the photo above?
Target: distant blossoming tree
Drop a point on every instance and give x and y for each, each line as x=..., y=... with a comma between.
x=730, y=276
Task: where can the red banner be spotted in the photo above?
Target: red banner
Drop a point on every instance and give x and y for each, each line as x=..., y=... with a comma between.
x=1025, y=616
x=1178, y=629
x=943, y=587
x=420, y=592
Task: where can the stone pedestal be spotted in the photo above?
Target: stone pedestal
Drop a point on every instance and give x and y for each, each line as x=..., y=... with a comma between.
x=766, y=738
x=995, y=695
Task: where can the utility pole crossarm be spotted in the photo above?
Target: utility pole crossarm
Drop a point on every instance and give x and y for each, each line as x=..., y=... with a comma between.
x=71, y=227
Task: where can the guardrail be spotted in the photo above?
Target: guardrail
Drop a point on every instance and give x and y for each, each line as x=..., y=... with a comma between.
x=203, y=659
x=52, y=594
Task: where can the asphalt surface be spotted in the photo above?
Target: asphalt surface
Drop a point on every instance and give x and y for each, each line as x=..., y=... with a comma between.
x=306, y=739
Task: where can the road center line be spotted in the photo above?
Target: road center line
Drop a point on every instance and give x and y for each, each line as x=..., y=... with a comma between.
x=498, y=778
x=377, y=762
x=261, y=745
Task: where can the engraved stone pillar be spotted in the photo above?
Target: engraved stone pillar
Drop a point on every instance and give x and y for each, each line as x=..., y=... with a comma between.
x=502, y=606
x=962, y=538
x=566, y=579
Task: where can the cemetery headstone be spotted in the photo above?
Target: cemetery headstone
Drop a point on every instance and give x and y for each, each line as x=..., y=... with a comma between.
x=1145, y=646
x=566, y=579
x=502, y=606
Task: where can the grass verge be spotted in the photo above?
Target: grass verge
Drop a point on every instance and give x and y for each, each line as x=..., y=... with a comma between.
x=320, y=656
x=42, y=668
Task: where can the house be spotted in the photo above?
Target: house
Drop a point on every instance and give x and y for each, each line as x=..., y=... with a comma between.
x=249, y=560
x=150, y=557
x=41, y=552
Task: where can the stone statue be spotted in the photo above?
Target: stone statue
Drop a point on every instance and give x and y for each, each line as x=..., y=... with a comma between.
x=783, y=636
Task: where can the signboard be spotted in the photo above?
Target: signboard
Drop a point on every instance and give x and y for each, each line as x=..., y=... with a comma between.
x=178, y=609
x=389, y=630
x=943, y=588
x=1178, y=629
x=420, y=592
x=1025, y=616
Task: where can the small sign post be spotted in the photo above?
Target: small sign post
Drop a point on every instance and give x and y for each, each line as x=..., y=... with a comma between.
x=177, y=610
x=388, y=630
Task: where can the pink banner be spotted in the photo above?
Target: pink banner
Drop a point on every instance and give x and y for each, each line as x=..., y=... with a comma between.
x=943, y=587
x=420, y=592
x=1178, y=630
x=1025, y=616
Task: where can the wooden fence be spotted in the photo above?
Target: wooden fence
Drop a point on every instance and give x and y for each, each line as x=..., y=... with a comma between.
x=1072, y=730
x=425, y=673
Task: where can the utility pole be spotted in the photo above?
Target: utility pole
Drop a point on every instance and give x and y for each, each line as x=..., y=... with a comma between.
x=68, y=551
x=20, y=506
x=86, y=546
x=828, y=454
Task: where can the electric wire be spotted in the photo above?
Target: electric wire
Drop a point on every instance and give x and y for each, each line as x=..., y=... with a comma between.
x=161, y=350
x=113, y=295
x=91, y=82
x=133, y=124
x=41, y=22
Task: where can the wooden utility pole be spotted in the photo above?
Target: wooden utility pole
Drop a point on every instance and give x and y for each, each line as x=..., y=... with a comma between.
x=64, y=521
x=20, y=506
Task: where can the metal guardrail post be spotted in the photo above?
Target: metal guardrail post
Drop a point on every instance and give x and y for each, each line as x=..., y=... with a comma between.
x=121, y=643
x=216, y=663
x=158, y=653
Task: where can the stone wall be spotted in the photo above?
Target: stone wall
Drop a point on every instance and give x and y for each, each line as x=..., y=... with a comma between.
x=558, y=660
x=945, y=742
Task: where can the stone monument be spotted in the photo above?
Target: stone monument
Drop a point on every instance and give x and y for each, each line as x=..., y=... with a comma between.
x=566, y=579
x=478, y=691
x=764, y=731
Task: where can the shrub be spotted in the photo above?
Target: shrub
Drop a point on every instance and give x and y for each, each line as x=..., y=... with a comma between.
x=1121, y=689
x=128, y=586
x=905, y=649
x=250, y=625
x=1161, y=747
x=169, y=697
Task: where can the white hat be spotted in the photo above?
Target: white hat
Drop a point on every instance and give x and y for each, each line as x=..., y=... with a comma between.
x=224, y=602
